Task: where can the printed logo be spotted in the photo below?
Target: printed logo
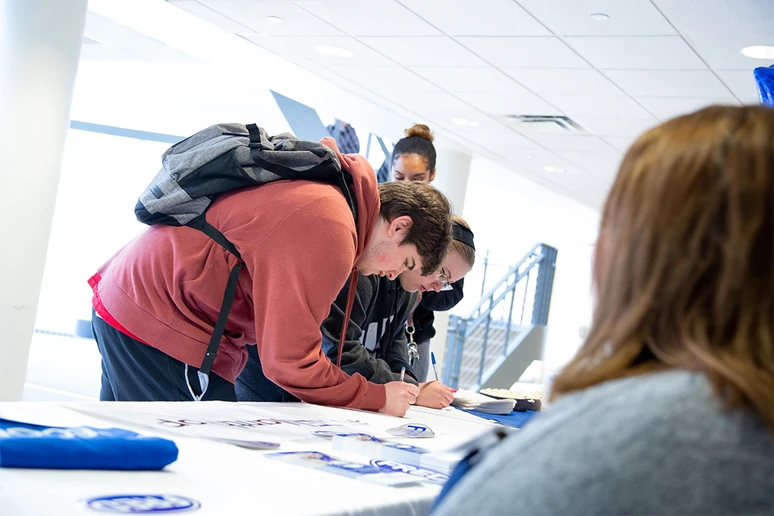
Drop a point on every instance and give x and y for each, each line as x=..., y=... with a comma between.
x=142, y=504
x=426, y=475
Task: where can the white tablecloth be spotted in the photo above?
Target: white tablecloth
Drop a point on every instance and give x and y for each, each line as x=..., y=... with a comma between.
x=225, y=479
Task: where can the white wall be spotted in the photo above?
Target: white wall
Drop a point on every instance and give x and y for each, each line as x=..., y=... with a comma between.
x=508, y=215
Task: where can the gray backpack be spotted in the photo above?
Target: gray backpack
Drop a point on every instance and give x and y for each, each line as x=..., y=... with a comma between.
x=219, y=159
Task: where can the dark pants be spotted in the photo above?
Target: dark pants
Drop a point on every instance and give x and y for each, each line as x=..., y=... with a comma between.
x=133, y=371
x=252, y=385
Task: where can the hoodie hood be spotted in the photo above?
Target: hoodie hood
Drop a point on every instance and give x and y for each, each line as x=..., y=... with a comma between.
x=366, y=192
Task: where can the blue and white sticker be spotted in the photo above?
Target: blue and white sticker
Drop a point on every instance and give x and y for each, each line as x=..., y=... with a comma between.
x=328, y=434
x=427, y=475
x=411, y=430
x=142, y=504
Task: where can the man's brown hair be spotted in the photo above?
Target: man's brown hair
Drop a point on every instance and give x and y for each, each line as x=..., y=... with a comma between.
x=430, y=214
x=683, y=268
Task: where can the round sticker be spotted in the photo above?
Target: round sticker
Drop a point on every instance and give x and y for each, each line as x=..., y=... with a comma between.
x=142, y=504
x=411, y=430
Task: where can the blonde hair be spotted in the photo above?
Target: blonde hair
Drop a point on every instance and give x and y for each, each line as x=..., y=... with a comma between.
x=464, y=250
x=683, y=270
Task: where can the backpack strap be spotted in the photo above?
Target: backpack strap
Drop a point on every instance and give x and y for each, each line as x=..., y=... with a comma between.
x=208, y=229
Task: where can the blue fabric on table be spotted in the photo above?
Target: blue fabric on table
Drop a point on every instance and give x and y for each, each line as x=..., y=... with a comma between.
x=514, y=419
x=24, y=445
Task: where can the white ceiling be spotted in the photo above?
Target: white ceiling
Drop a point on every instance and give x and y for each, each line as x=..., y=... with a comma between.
x=434, y=60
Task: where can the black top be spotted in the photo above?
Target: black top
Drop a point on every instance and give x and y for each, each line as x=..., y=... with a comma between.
x=434, y=301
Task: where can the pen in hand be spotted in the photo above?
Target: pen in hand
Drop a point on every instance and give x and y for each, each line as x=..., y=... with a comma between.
x=402, y=373
x=432, y=359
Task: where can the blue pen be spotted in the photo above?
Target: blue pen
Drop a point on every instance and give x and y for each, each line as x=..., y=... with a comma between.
x=432, y=359
x=402, y=373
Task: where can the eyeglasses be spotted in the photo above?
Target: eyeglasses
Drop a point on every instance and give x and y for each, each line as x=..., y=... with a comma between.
x=444, y=279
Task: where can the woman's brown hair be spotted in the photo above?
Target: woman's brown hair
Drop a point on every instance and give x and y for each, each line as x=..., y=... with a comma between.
x=683, y=268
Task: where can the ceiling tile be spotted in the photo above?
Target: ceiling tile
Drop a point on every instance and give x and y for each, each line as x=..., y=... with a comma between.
x=436, y=102
x=435, y=51
x=380, y=18
x=670, y=83
x=578, y=82
x=718, y=30
x=571, y=142
x=597, y=106
x=669, y=107
x=742, y=83
x=525, y=52
x=518, y=102
x=384, y=78
x=637, y=53
x=239, y=15
x=572, y=17
x=488, y=18
x=306, y=47
x=459, y=79
x=601, y=165
x=602, y=126
x=622, y=143
x=502, y=142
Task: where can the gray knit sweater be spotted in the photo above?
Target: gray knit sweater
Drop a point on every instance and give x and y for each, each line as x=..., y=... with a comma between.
x=656, y=444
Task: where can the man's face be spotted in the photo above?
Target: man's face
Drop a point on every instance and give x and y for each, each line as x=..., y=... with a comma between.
x=386, y=255
x=454, y=267
x=411, y=167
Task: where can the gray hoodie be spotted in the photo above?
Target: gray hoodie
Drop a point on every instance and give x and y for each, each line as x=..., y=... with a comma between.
x=654, y=444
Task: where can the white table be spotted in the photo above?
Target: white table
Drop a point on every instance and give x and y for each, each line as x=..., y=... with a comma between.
x=225, y=479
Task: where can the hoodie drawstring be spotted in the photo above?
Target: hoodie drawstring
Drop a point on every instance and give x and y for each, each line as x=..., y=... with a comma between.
x=347, y=313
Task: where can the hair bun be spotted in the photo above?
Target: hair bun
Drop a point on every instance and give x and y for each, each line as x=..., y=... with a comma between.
x=420, y=130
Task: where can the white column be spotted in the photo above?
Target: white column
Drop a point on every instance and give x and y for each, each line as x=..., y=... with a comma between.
x=452, y=171
x=40, y=42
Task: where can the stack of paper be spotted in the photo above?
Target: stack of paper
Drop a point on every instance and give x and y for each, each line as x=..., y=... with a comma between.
x=474, y=401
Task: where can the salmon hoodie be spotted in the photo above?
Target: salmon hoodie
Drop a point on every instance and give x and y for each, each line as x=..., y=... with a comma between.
x=299, y=242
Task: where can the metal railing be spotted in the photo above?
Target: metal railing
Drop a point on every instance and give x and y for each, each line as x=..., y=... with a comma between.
x=475, y=341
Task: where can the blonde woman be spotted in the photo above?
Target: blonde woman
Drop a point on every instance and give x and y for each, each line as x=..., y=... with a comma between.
x=668, y=407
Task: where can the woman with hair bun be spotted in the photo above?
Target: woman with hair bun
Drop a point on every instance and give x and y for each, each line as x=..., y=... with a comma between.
x=413, y=159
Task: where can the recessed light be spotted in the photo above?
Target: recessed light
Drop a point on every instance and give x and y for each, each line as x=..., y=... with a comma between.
x=549, y=168
x=464, y=122
x=529, y=156
x=274, y=19
x=330, y=50
x=759, y=52
x=599, y=16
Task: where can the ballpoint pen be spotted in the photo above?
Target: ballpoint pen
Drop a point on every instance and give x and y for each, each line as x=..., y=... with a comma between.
x=402, y=373
x=432, y=359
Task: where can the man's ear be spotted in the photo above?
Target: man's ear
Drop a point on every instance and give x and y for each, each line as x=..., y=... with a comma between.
x=432, y=176
x=398, y=224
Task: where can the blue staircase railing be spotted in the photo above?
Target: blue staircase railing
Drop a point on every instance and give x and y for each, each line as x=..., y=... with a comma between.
x=475, y=341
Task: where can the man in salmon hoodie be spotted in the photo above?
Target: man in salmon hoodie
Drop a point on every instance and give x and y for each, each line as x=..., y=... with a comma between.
x=156, y=300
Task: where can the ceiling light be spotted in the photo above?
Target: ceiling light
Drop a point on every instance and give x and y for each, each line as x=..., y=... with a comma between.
x=330, y=50
x=529, y=156
x=549, y=168
x=599, y=16
x=464, y=122
x=759, y=52
x=274, y=19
